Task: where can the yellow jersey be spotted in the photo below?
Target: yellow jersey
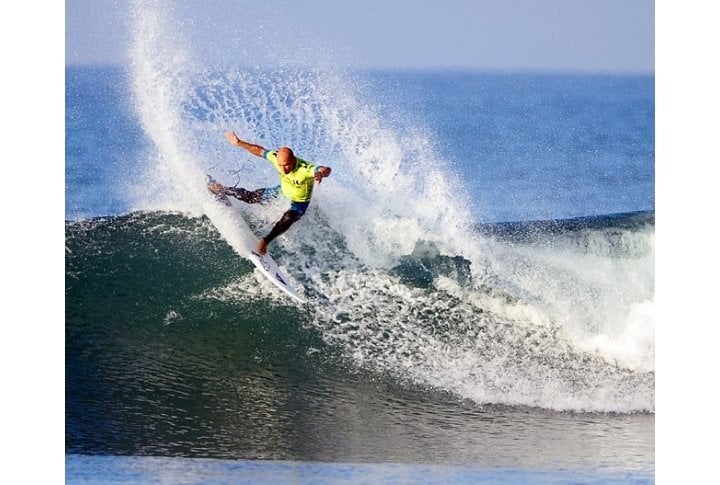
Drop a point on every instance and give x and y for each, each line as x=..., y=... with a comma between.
x=298, y=184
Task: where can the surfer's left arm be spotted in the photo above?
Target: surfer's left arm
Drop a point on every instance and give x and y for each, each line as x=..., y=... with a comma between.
x=256, y=150
x=321, y=172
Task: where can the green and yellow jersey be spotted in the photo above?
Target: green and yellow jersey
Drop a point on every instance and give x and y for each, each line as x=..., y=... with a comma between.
x=298, y=184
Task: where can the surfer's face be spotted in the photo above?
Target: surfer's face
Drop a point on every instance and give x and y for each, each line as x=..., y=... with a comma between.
x=286, y=159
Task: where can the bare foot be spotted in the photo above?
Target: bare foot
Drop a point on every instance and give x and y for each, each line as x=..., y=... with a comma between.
x=216, y=188
x=262, y=247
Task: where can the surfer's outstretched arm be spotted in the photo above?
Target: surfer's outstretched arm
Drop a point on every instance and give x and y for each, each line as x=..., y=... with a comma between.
x=256, y=150
x=322, y=172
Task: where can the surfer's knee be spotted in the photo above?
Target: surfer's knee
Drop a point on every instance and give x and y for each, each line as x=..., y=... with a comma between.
x=239, y=193
x=292, y=216
x=287, y=220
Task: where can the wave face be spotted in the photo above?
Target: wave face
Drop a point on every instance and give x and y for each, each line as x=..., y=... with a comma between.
x=580, y=341
x=175, y=347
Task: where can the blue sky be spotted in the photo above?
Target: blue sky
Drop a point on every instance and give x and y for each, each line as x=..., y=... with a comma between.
x=546, y=35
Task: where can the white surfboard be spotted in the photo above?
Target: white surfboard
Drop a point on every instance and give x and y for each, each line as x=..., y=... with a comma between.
x=249, y=243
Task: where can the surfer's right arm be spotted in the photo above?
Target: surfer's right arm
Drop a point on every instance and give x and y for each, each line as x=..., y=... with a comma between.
x=256, y=150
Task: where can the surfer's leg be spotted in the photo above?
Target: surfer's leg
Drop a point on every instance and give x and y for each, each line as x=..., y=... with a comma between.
x=251, y=197
x=258, y=196
x=287, y=220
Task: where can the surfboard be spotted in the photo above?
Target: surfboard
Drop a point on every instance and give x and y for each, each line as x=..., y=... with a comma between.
x=264, y=263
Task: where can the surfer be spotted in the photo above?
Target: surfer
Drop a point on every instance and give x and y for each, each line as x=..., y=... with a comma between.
x=297, y=178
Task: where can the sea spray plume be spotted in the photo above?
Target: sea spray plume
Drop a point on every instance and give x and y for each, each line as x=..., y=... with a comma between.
x=159, y=63
x=386, y=187
x=315, y=112
x=404, y=191
x=162, y=82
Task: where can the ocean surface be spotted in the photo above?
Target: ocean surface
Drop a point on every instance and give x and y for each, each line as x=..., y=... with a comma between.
x=479, y=271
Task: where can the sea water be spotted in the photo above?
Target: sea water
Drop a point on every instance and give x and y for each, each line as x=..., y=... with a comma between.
x=479, y=271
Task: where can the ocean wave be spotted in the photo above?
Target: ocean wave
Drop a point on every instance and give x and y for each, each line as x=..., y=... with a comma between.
x=427, y=320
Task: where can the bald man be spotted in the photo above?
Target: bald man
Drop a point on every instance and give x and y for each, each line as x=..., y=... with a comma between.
x=296, y=183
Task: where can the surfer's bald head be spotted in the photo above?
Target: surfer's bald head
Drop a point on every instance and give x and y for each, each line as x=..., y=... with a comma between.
x=286, y=159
